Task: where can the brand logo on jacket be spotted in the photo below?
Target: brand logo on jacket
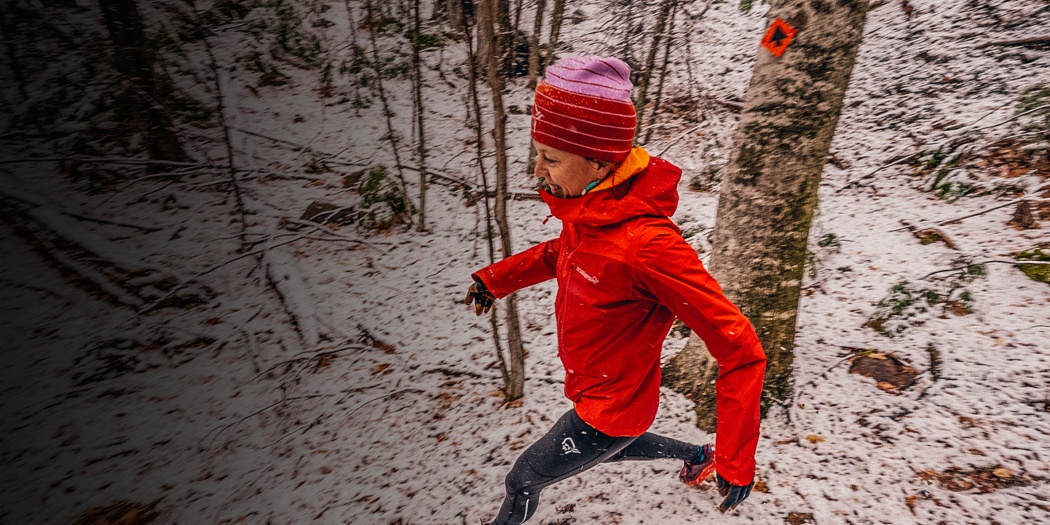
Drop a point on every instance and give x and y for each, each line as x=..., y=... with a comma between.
x=593, y=280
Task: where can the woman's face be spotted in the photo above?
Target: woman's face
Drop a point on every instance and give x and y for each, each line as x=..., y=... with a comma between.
x=565, y=174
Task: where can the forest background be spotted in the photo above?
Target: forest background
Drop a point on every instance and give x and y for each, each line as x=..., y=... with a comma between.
x=235, y=234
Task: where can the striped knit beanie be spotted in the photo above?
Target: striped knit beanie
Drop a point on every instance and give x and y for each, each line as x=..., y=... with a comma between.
x=583, y=106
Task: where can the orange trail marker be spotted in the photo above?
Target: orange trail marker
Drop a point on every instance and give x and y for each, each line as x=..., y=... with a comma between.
x=778, y=37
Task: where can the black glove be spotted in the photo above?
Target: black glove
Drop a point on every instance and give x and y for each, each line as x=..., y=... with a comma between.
x=734, y=494
x=480, y=296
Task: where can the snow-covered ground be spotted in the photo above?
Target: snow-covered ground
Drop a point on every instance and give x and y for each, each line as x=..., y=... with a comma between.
x=330, y=376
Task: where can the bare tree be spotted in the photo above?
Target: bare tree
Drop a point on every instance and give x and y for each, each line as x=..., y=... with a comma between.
x=668, y=39
x=557, y=15
x=417, y=91
x=377, y=64
x=515, y=387
x=134, y=61
x=650, y=61
x=769, y=191
x=534, y=43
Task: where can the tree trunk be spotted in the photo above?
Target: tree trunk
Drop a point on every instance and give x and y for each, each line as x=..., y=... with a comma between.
x=534, y=44
x=134, y=62
x=663, y=73
x=557, y=14
x=377, y=65
x=650, y=62
x=417, y=91
x=515, y=388
x=770, y=189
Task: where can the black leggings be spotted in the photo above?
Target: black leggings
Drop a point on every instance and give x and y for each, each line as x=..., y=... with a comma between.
x=570, y=447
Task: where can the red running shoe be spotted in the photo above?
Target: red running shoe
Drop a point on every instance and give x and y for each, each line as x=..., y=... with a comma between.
x=698, y=469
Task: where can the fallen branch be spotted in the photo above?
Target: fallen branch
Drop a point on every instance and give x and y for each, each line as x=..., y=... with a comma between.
x=982, y=212
x=1039, y=41
x=106, y=160
x=88, y=260
x=256, y=413
x=990, y=261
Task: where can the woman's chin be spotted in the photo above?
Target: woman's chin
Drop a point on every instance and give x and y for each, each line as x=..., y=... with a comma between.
x=557, y=191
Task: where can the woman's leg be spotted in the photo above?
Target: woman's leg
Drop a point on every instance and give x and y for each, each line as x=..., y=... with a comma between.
x=655, y=446
x=570, y=447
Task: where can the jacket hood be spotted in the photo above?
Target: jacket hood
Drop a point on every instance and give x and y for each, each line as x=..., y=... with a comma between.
x=653, y=192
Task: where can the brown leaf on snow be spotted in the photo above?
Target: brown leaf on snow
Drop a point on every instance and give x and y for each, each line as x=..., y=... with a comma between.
x=910, y=502
x=323, y=361
x=813, y=438
x=799, y=518
x=121, y=513
x=983, y=480
x=889, y=372
x=886, y=387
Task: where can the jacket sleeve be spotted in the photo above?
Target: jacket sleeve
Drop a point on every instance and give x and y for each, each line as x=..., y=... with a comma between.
x=532, y=266
x=671, y=271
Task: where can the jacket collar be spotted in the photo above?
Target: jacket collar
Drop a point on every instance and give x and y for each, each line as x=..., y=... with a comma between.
x=651, y=191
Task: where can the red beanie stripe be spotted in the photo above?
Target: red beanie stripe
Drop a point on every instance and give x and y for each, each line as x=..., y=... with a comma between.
x=580, y=149
x=581, y=128
x=575, y=111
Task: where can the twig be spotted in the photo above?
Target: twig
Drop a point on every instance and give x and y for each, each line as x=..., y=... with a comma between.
x=982, y=212
x=1034, y=41
x=147, y=229
x=338, y=235
x=108, y=160
x=256, y=413
x=676, y=139
x=990, y=261
x=297, y=358
x=179, y=288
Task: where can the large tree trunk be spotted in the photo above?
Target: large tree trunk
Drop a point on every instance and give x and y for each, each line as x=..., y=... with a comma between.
x=515, y=387
x=134, y=62
x=770, y=189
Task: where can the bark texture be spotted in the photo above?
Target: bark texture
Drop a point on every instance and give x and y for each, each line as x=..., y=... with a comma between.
x=769, y=192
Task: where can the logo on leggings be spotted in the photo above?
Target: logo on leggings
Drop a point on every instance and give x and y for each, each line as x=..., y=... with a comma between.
x=569, y=447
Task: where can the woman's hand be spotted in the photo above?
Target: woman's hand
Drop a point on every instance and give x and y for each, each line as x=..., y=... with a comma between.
x=734, y=494
x=481, y=297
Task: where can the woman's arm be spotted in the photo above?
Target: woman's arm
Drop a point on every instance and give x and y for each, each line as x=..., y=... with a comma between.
x=669, y=268
x=532, y=266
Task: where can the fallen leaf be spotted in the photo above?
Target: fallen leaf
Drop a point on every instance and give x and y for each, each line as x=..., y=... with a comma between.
x=1002, y=473
x=799, y=518
x=910, y=502
x=813, y=438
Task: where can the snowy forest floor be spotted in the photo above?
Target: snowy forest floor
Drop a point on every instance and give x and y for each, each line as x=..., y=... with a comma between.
x=329, y=375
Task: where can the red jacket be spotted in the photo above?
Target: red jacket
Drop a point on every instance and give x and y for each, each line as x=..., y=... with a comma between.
x=624, y=272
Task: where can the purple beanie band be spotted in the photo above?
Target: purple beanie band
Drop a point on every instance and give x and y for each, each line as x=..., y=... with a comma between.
x=595, y=76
